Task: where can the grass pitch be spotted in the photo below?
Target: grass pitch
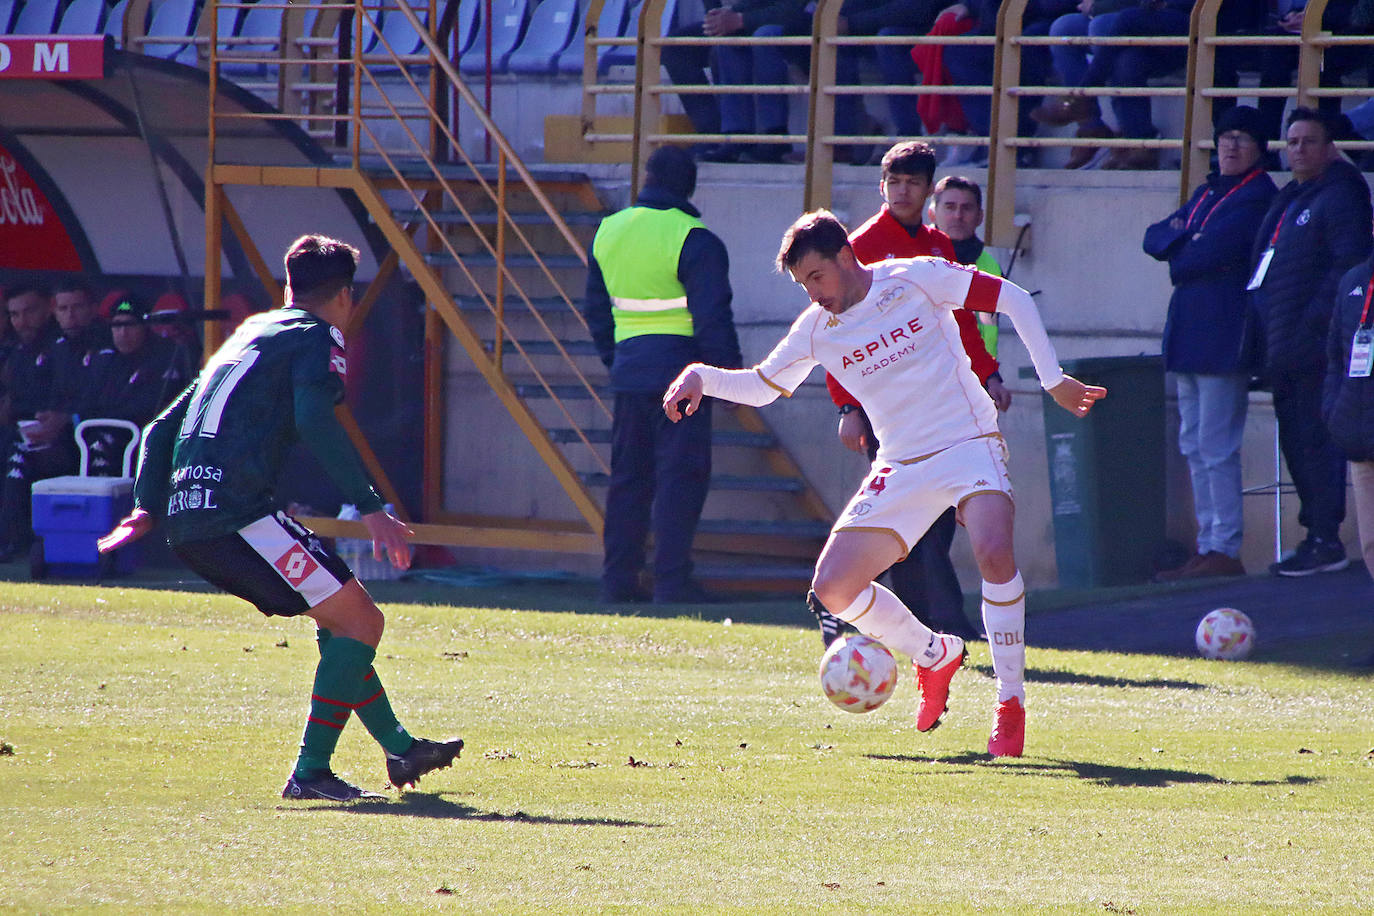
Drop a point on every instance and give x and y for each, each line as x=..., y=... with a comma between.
x=629, y=764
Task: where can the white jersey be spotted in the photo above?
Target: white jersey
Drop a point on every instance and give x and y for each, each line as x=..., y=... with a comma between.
x=898, y=351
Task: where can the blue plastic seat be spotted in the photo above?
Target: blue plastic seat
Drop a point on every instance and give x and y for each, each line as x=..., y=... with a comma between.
x=553, y=25
x=7, y=15
x=261, y=22
x=465, y=28
x=114, y=20
x=82, y=17
x=507, y=28
x=172, y=20
x=400, y=34
x=624, y=55
x=610, y=24
x=36, y=17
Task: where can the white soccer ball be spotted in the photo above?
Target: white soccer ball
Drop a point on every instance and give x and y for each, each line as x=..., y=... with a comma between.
x=858, y=674
x=1226, y=634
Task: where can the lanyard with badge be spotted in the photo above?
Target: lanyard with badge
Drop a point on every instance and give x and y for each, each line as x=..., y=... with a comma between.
x=1362, y=348
x=1262, y=267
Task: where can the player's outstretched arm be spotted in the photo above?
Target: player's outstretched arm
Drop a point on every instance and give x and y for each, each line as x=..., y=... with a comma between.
x=130, y=528
x=686, y=387
x=1076, y=397
x=389, y=535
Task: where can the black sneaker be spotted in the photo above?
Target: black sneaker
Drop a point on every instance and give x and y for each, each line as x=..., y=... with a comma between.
x=832, y=627
x=1312, y=556
x=324, y=786
x=424, y=756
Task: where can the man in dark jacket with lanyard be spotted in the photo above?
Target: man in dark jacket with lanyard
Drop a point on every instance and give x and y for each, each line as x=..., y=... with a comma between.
x=1207, y=244
x=1348, y=397
x=1317, y=228
x=658, y=298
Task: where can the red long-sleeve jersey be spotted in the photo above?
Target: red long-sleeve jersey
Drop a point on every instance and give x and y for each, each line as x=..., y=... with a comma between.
x=881, y=238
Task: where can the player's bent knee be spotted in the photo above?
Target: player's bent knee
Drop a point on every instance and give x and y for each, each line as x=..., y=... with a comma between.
x=351, y=612
x=835, y=592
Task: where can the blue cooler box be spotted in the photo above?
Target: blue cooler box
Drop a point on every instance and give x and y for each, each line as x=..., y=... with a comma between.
x=71, y=513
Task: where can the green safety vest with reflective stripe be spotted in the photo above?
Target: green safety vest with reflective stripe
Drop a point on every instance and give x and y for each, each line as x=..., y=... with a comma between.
x=638, y=250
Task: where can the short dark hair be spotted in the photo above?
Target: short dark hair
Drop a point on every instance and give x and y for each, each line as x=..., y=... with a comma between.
x=317, y=267
x=910, y=157
x=75, y=283
x=672, y=169
x=1328, y=123
x=817, y=231
x=960, y=183
x=24, y=288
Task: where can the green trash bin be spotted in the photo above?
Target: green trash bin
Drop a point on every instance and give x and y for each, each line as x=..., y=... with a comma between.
x=1106, y=473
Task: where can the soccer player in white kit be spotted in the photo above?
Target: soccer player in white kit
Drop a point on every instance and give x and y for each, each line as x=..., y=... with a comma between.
x=887, y=333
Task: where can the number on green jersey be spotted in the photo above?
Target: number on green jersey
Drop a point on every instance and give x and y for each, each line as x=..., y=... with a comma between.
x=206, y=409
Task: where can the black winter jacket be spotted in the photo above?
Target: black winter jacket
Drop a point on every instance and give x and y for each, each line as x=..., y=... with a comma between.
x=1348, y=403
x=1209, y=264
x=650, y=362
x=1326, y=225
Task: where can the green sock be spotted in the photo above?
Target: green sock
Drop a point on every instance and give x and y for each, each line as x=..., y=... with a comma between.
x=343, y=664
x=374, y=709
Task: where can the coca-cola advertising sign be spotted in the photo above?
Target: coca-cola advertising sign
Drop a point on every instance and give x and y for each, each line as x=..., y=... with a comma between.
x=31, y=235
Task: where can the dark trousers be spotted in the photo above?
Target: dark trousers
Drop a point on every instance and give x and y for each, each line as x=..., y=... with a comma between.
x=925, y=580
x=1316, y=464
x=23, y=468
x=660, y=472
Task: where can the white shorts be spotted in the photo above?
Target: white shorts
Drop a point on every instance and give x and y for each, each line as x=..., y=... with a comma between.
x=905, y=498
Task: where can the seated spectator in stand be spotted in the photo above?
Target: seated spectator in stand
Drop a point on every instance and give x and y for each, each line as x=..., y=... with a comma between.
x=84, y=335
x=958, y=214
x=1207, y=244
x=735, y=113
x=132, y=380
x=882, y=18
x=35, y=451
x=972, y=65
x=1275, y=64
x=1114, y=65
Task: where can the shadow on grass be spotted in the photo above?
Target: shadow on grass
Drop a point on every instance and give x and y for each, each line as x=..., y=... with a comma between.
x=433, y=805
x=1053, y=676
x=1104, y=774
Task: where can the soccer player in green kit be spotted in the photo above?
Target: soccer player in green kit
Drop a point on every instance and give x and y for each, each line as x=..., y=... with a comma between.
x=206, y=474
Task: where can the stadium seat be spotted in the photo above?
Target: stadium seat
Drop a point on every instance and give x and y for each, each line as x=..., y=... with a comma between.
x=114, y=21
x=552, y=26
x=261, y=22
x=175, y=21
x=624, y=55
x=611, y=23
x=7, y=8
x=82, y=17
x=36, y=17
x=508, y=19
x=400, y=34
x=465, y=28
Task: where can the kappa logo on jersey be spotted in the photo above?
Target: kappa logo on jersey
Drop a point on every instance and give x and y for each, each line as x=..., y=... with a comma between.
x=1357, y=291
x=337, y=335
x=296, y=565
x=833, y=321
x=337, y=362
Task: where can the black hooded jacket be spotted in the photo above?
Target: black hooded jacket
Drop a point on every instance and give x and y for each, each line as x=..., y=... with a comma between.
x=1319, y=229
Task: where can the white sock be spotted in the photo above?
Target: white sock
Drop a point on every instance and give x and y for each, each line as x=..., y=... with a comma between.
x=877, y=612
x=1004, y=618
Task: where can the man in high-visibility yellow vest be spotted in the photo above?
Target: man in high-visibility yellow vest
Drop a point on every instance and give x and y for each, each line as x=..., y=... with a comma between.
x=658, y=298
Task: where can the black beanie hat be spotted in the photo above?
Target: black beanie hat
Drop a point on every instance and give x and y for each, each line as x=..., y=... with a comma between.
x=1243, y=118
x=672, y=169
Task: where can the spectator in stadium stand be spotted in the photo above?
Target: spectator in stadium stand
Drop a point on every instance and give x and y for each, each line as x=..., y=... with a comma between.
x=958, y=214
x=882, y=18
x=1207, y=244
x=1275, y=63
x=28, y=383
x=1317, y=228
x=658, y=297
x=925, y=580
x=133, y=379
x=1115, y=65
x=972, y=65
x=734, y=113
x=1348, y=395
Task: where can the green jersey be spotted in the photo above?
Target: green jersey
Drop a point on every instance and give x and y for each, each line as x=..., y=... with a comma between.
x=210, y=461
